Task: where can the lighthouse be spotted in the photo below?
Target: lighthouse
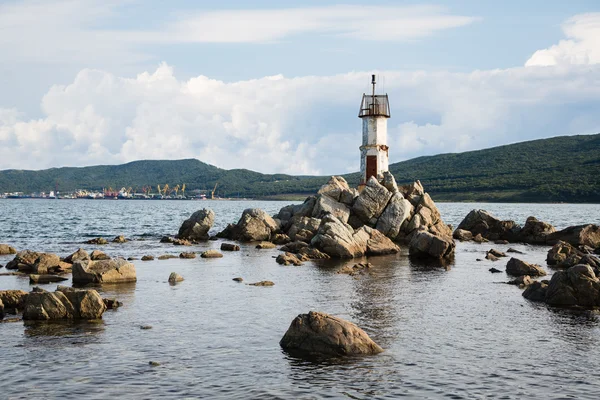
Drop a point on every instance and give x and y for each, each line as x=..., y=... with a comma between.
x=374, y=112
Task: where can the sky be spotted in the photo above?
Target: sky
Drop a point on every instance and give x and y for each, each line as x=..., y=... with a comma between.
x=275, y=86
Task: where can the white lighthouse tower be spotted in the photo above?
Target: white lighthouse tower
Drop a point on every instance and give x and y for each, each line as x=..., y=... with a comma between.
x=374, y=112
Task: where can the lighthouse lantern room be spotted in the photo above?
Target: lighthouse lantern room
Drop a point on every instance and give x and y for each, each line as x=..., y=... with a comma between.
x=374, y=112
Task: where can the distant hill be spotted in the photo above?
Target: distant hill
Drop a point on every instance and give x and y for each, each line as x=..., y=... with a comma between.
x=565, y=168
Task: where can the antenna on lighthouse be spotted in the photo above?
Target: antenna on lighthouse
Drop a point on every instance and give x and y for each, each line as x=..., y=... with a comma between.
x=373, y=83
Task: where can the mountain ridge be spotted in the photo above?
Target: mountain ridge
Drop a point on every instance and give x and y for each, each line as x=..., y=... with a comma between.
x=558, y=169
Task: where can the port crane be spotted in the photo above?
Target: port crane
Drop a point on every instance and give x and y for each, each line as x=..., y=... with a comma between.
x=183, y=190
x=212, y=194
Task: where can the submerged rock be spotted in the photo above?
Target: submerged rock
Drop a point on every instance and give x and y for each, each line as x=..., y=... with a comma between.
x=265, y=245
x=356, y=269
x=262, y=283
x=187, y=255
x=320, y=334
x=167, y=256
x=103, y=271
x=42, y=279
x=98, y=241
x=147, y=258
x=196, y=227
x=120, y=239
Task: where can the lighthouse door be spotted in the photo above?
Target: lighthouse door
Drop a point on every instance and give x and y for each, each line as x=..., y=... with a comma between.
x=371, y=167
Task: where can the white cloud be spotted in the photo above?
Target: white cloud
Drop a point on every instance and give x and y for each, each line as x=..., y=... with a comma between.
x=581, y=47
x=300, y=125
x=358, y=22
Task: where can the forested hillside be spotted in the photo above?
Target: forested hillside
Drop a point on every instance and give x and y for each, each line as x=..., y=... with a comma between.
x=565, y=168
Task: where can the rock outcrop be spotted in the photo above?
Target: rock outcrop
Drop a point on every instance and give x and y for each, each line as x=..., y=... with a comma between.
x=24, y=260
x=196, y=227
x=255, y=225
x=341, y=223
x=64, y=303
x=481, y=222
x=103, y=271
x=565, y=255
x=320, y=334
x=79, y=255
x=535, y=232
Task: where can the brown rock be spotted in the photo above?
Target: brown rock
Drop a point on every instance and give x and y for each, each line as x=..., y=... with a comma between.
x=147, y=258
x=98, y=241
x=120, y=239
x=517, y=267
x=229, y=247
x=320, y=334
x=536, y=291
x=287, y=259
x=281, y=238
x=103, y=271
x=588, y=235
x=462, y=235
x=99, y=255
x=42, y=279
x=13, y=300
x=312, y=253
x=24, y=260
x=211, y=254
x=197, y=226
x=356, y=269
x=175, y=278
x=187, y=255
x=6, y=249
x=167, y=256
x=79, y=255
x=262, y=283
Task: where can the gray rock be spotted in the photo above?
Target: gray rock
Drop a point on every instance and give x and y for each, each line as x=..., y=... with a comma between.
x=42, y=279
x=348, y=196
x=294, y=247
x=395, y=213
x=536, y=291
x=326, y=204
x=390, y=183
x=254, y=225
x=211, y=254
x=337, y=239
x=462, y=235
x=304, y=225
x=320, y=334
x=371, y=202
x=424, y=243
x=197, y=226
x=334, y=188
x=24, y=260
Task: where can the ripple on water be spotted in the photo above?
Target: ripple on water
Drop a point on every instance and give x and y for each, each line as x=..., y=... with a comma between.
x=448, y=331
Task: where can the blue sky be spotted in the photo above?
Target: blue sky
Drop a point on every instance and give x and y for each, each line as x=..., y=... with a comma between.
x=274, y=86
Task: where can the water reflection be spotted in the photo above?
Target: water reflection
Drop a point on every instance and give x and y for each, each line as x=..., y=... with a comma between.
x=73, y=332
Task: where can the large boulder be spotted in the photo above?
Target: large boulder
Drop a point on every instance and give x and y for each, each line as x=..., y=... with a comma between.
x=337, y=239
x=396, y=212
x=103, y=271
x=334, y=188
x=577, y=286
x=390, y=182
x=320, y=334
x=196, y=227
x=376, y=242
x=462, y=235
x=560, y=252
x=425, y=243
x=44, y=264
x=371, y=202
x=254, y=225
x=6, y=249
x=87, y=303
x=326, y=204
x=536, y=291
x=64, y=303
x=488, y=226
x=516, y=267
x=535, y=232
x=413, y=192
x=24, y=260
x=580, y=235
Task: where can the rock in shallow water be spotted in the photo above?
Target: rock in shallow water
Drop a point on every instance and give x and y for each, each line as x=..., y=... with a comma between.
x=211, y=254
x=175, y=277
x=197, y=226
x=320, y=334
x=517, y=267
x=104, y=271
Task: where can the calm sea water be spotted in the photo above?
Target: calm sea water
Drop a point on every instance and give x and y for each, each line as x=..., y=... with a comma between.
x=457, y=333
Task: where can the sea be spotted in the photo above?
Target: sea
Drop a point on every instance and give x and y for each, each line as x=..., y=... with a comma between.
x=454, y=332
